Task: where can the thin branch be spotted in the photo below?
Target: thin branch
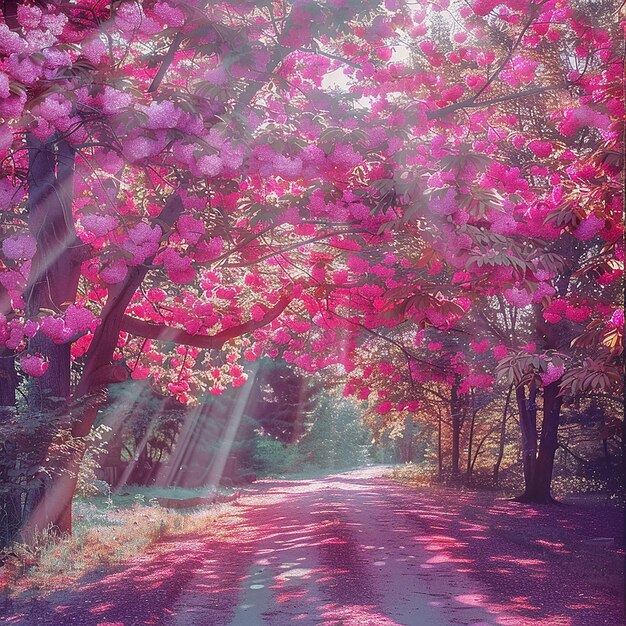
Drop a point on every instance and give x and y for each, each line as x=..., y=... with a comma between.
x=163, y=332
x=166, y=62
x=473, y=104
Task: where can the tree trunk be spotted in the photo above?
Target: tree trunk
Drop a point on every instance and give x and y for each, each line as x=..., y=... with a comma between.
x=607, y=459
x=468, y=472
x=54, y=509
x=53, y=279
x=540, y=485
x=457, y=424
x=528, y=424
x=11, y=496
x=406, y=445
x=439, y=449
x=496, y=467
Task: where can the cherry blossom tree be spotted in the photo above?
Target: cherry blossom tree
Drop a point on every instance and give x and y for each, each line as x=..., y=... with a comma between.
x=186, y=186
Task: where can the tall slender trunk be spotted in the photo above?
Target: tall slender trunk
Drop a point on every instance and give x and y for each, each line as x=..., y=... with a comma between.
x=496, y=467
x=97, y=374
x=55, y=271
x=439, y=449
x=468, y=471
x=528, y=424
x=11, y=497
x=406, y=445
x=457, y=424
x=52, y=283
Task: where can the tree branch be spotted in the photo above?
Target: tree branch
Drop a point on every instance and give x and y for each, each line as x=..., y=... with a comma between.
x=166, y=62
x=472, y=104
x=163, y=332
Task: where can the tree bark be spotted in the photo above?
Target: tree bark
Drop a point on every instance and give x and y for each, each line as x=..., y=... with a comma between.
x=11, y=496
x=540, y=485
x=55, y=271
x=406, y=445
x=53, y=279
x=528, y=423
x=439, y=449
x=468, y=473
x=56, y=507
x=496, y=467
x=457, y=424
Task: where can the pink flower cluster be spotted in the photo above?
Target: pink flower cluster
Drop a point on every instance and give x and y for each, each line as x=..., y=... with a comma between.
x=34, y=365
x=480, y=346
x=521, y=70
x=584, y=116
x=552, y=374
x=76, y=320
x=555, y=311
x=541, y=149
x=142, y=242
x=518, y=297
x=13, y=332
x=500, y=352
x=98, y=225
x=19, y=247
x=179, y=268
x=589, y=227
x=445, y=205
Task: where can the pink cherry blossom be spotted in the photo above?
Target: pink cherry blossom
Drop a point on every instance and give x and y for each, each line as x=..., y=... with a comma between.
x=542, y=149
x=552, y=374
x=19, y=247
x=34, y=365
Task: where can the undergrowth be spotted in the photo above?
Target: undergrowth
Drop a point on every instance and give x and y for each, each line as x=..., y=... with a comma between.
x=510, y=484
x=107, y=531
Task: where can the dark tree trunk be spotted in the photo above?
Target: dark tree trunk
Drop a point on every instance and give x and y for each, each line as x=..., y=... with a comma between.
x=540, y=486
x=53, y=282
x=528, y=423
x=457, y=425
x=496, y=467
x=439, y=449
x=470, y=443
x=97, y=374
x=607, y=459
x=406, y=445
x=11, y=495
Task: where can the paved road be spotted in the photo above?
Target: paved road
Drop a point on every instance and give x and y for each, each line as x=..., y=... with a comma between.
x=351, y=549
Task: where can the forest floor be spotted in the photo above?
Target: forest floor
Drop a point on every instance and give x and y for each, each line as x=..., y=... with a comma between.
x=359, y=549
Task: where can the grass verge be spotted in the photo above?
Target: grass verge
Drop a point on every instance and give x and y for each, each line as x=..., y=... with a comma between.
x=107, y=531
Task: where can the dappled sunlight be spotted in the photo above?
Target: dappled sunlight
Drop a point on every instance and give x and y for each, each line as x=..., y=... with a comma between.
x=350, y=549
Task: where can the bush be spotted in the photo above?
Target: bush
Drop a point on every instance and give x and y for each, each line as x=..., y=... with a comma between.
x=271, y=457
x=88, y=483
x=416, y=474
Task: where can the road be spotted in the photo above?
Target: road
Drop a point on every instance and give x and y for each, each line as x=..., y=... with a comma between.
x=358, y=549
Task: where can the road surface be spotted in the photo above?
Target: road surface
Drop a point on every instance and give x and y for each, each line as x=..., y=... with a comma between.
x=358, y=549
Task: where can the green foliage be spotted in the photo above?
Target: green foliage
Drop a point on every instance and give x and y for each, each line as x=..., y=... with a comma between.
x=32, y=445
x=88, y=483
x=281, y=401
x=337, y=439
x=272, y=457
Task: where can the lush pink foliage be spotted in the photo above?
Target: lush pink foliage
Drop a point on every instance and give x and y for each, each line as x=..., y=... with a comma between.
x=318, y=172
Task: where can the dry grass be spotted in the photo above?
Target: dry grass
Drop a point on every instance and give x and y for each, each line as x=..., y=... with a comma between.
x=105, y=534
x=414, y=475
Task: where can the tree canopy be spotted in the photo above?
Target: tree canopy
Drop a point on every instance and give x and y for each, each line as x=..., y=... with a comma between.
x=187, y=186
